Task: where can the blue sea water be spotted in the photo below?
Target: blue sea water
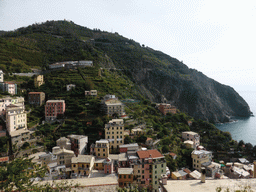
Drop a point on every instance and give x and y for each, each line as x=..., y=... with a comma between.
x=244, y=128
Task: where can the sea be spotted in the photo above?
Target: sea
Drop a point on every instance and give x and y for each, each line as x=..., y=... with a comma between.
x=243, y=128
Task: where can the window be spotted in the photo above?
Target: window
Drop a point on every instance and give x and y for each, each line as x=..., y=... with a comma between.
x=124, y=176
x=138, y=171
x=103, y=150
x=120, y=176
x=142, y=176
x=155, y=166
x=143, y=166
x=155, y=182
x=142, y=171
x=74, y=165
x=129, y=176
x=162, y=165
x=155, y=172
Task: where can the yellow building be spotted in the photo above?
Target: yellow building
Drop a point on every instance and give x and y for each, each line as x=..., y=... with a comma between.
x=99, y=164
x=114, y=133
x=39, y=80
x=101, y=149
x=82, y=164
x=199, y=157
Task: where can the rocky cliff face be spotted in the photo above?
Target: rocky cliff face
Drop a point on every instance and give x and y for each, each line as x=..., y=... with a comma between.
x=194, y=93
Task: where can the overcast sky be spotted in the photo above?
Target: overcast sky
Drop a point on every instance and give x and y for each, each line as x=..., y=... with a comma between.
x=216, y=37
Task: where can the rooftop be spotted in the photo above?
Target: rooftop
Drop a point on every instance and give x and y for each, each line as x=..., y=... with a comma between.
x=149, y=154
x=82, y=159
x=190, y=133
x=126, y=171
x=55, y=101
x=129, y=145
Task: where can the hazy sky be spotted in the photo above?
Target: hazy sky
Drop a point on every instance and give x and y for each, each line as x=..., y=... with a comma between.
x=216, y=37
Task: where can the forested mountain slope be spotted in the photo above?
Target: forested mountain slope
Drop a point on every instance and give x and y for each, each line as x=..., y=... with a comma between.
x=155, y=73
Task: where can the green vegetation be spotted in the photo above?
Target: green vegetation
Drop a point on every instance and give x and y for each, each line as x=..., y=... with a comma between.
x=20, y=175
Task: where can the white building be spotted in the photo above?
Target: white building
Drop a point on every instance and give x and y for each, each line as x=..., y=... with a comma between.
x=9, y=87
x=16, y=118
x=78, y=143
x=1, y=76
x=71, y=86
x=7, y=100
x=191, y=136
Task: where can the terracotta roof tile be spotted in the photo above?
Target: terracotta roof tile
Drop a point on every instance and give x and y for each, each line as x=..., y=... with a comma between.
x=149, y=153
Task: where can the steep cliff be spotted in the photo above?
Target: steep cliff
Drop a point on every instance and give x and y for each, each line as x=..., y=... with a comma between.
x=154, y=72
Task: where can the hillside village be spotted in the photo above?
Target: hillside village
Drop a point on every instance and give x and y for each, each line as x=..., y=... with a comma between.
x=124, y=146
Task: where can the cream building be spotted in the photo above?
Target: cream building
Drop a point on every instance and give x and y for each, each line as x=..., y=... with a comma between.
x=112, y=105
x=39, y=80
x=63, y=156
x=200, y=157
x=114, y=133
x=191, y=136
x=82, y=164
x=16, y=118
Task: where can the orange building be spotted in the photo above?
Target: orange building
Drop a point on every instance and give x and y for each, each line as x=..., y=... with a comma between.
x=167, y=108
x=125, y=176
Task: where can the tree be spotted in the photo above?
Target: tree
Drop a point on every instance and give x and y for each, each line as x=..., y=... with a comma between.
x=20, y=174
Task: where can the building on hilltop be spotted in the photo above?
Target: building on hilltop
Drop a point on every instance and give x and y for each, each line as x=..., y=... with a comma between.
x=165, y=108
x=70, y=87
x=90, y=93
x=114, y=133
x=36, y=98
x=38, y=80
x=53, y=109
x=111, y=105
x=71, y=64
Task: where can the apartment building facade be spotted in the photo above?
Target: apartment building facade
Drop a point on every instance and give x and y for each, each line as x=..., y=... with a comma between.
x=36, y=98
x=114, y=133
x=149, y=168
x=100, y=149
x=53, y=108
x=16, y=118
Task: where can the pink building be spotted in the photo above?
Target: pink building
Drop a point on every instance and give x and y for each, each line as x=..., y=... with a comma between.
x=53, y=108
x=108, y=166
x=167, y=108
